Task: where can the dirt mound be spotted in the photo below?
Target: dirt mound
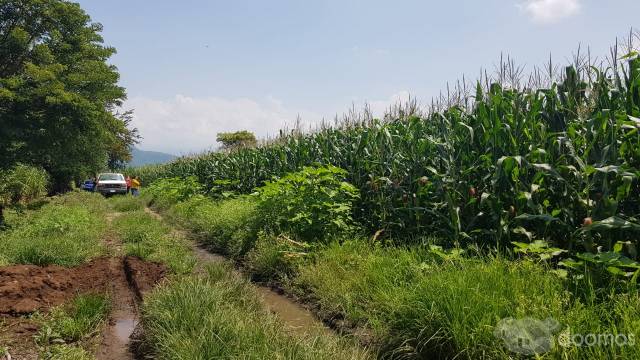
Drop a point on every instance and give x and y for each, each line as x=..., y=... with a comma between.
x=143, y=275
x=27, y=288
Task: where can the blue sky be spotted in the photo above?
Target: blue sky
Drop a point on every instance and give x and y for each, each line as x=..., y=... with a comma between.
x=193, y=68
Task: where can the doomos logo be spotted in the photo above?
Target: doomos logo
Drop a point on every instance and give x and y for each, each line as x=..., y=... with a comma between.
x=527, y=336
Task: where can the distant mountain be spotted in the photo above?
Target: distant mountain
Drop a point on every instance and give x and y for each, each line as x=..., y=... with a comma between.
x=142, y=157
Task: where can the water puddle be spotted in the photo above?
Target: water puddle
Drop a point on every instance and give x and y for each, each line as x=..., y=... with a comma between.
x=293, y=315
x=124, y=328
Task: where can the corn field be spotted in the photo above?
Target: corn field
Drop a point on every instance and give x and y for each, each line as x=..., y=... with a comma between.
x=556, y=159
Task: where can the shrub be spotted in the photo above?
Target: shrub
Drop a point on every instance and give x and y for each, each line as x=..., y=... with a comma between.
x=313, y=204
x=22, y=184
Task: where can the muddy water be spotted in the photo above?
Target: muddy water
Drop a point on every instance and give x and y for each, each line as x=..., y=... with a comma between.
x=293, y=315
x=124, y=328
x=122, y=320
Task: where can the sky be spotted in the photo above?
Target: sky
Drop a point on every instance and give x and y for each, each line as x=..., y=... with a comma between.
x=193, y=68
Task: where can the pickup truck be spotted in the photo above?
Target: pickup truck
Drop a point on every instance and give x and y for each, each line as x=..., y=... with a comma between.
x=111, y=184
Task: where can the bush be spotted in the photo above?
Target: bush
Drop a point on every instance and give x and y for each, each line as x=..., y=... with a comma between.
x=314, y=204
x=22, y=184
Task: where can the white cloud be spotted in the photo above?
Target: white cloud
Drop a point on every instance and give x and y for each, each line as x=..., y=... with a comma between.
x=184, y=124
x=379, y=107
x=549, y=11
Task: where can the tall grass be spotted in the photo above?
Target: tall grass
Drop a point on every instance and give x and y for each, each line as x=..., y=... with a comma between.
x=228, y=226
x=148, y=238
x=494, y=163
x=420, y=307
x=66, y=232
x=219, y=316
x=65, y=329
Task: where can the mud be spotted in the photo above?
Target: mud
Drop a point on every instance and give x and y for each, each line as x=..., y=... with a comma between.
x=143, y=275
x=25, y=289
x=295, y=317
x=115, y=339
x=17, y=335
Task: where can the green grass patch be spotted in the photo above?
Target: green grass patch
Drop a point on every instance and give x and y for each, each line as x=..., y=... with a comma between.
x=67, y=231
x=420, y=307
x=72, y=324
x=126, y=203
x=228, y=226
x=219, y=316
x=150, y=239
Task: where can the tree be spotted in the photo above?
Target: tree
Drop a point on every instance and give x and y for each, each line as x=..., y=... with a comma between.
x=58, y=94
x=236, y=140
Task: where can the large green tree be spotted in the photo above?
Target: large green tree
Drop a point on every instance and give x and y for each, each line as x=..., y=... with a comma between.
x=58, y=93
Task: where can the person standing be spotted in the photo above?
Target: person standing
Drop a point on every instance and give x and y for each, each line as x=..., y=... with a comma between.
x=135, y=186
x=128, y=180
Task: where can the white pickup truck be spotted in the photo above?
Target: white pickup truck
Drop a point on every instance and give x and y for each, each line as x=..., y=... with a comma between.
x=111, y=184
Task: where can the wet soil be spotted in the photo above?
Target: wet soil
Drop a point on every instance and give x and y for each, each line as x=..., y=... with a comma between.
x=296, y=317
x=132, y=279
x=25, y=289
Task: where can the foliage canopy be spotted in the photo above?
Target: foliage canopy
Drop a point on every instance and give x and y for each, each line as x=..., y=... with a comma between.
x=58, y=94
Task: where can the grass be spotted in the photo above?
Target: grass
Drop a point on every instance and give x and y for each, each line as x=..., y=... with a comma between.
x=66, y=328
x=67, y=231
x=419, y=307
x=126, y=203
x=228, y=226
x=219, y=316
x=148, y=238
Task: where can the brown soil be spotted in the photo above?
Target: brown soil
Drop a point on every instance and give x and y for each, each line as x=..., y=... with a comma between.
x=124, y=285
x=25, y=289
x=16, y=334
x=143, y=275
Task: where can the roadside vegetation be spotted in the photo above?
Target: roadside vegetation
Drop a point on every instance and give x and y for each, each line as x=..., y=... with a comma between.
x=431, y=229
x=148, y=238
x=67, y=331
x=219, y=315
x=66, y=231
